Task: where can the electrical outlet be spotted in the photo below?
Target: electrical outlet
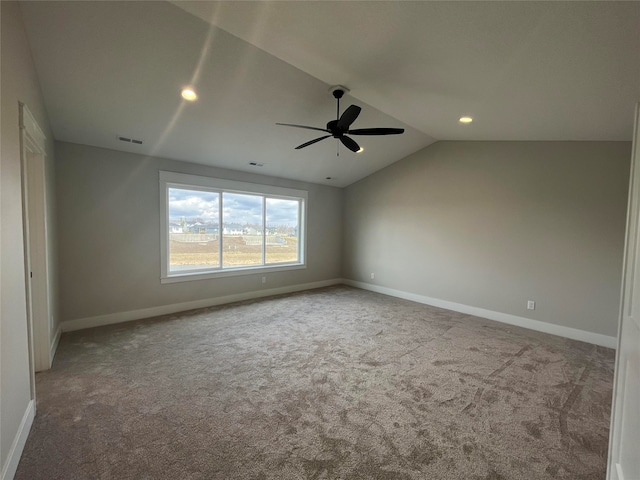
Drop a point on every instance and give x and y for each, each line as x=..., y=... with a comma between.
x=531, y=305
x=264, y=279
x=373, y=276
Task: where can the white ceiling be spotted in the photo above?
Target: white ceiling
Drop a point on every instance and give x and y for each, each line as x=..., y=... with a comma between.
x=523, y=70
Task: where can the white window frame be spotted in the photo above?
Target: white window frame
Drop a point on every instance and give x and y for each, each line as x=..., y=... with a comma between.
x=210, y=184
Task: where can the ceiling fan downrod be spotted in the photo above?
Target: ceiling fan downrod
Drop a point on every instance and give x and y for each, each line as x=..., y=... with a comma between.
x=338, y=92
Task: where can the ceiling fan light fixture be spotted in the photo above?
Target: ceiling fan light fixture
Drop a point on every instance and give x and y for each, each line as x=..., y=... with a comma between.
x=360, y=150
x=189, y=94
x=465, y=120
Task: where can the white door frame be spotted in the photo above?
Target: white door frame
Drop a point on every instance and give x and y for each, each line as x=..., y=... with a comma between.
x=624, y=437
x=32, y=153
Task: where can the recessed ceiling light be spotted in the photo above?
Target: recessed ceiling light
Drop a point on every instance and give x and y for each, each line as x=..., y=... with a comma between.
x=189, y=94
x=361, y=150
x=466, y=120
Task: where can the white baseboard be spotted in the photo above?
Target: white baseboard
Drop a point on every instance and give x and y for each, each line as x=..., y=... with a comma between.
x=54, y=344
x=15, y=452
x=567, y=332
x=119, y=317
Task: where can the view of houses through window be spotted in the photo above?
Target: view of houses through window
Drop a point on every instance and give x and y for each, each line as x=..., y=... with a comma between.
x=211, y=229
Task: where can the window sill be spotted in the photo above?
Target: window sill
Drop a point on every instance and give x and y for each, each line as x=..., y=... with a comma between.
x=229, y=272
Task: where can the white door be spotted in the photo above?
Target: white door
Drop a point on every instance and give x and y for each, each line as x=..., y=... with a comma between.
x=35, y=238
x=624, y=443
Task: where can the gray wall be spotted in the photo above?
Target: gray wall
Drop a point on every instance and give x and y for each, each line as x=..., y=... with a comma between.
x=109, y=234
x=494, y=224
x=19, y=83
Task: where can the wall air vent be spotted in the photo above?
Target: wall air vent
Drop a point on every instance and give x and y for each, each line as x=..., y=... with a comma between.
x=122, y=138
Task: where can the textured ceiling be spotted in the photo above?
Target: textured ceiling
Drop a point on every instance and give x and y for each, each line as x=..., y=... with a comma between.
x=523, y=70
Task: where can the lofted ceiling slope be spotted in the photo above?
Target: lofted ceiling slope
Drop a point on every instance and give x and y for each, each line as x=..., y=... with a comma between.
x=522, y=70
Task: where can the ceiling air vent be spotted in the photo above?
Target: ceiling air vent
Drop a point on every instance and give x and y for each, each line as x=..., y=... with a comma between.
x=256, y=164
x=122, y=138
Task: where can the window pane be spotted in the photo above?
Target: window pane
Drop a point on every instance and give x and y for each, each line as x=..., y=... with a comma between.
x=282, y=230
x=242, y=230
x=193, y=230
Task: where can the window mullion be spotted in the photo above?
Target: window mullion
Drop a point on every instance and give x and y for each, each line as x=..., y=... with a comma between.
x=167, y=247
x=220, y=252
x=298, y=229
x=264, y=230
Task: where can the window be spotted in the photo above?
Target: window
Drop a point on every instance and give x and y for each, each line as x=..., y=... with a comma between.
x=213, y=227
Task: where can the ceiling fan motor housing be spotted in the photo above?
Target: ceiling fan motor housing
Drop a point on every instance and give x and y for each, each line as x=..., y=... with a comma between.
x=336, y=131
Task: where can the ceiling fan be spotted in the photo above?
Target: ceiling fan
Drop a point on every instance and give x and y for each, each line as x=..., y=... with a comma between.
x=339, y=128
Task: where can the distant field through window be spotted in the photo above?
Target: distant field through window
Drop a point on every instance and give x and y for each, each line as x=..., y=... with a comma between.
x=215, y=227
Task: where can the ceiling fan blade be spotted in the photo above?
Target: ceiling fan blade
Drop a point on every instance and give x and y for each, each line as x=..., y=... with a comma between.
x=376, y=131
x=350, y=144
x=311, y=142
x=303, y=126
x=348, y=117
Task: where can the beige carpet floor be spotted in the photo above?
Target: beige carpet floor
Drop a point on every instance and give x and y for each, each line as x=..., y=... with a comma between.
x=335, y=383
